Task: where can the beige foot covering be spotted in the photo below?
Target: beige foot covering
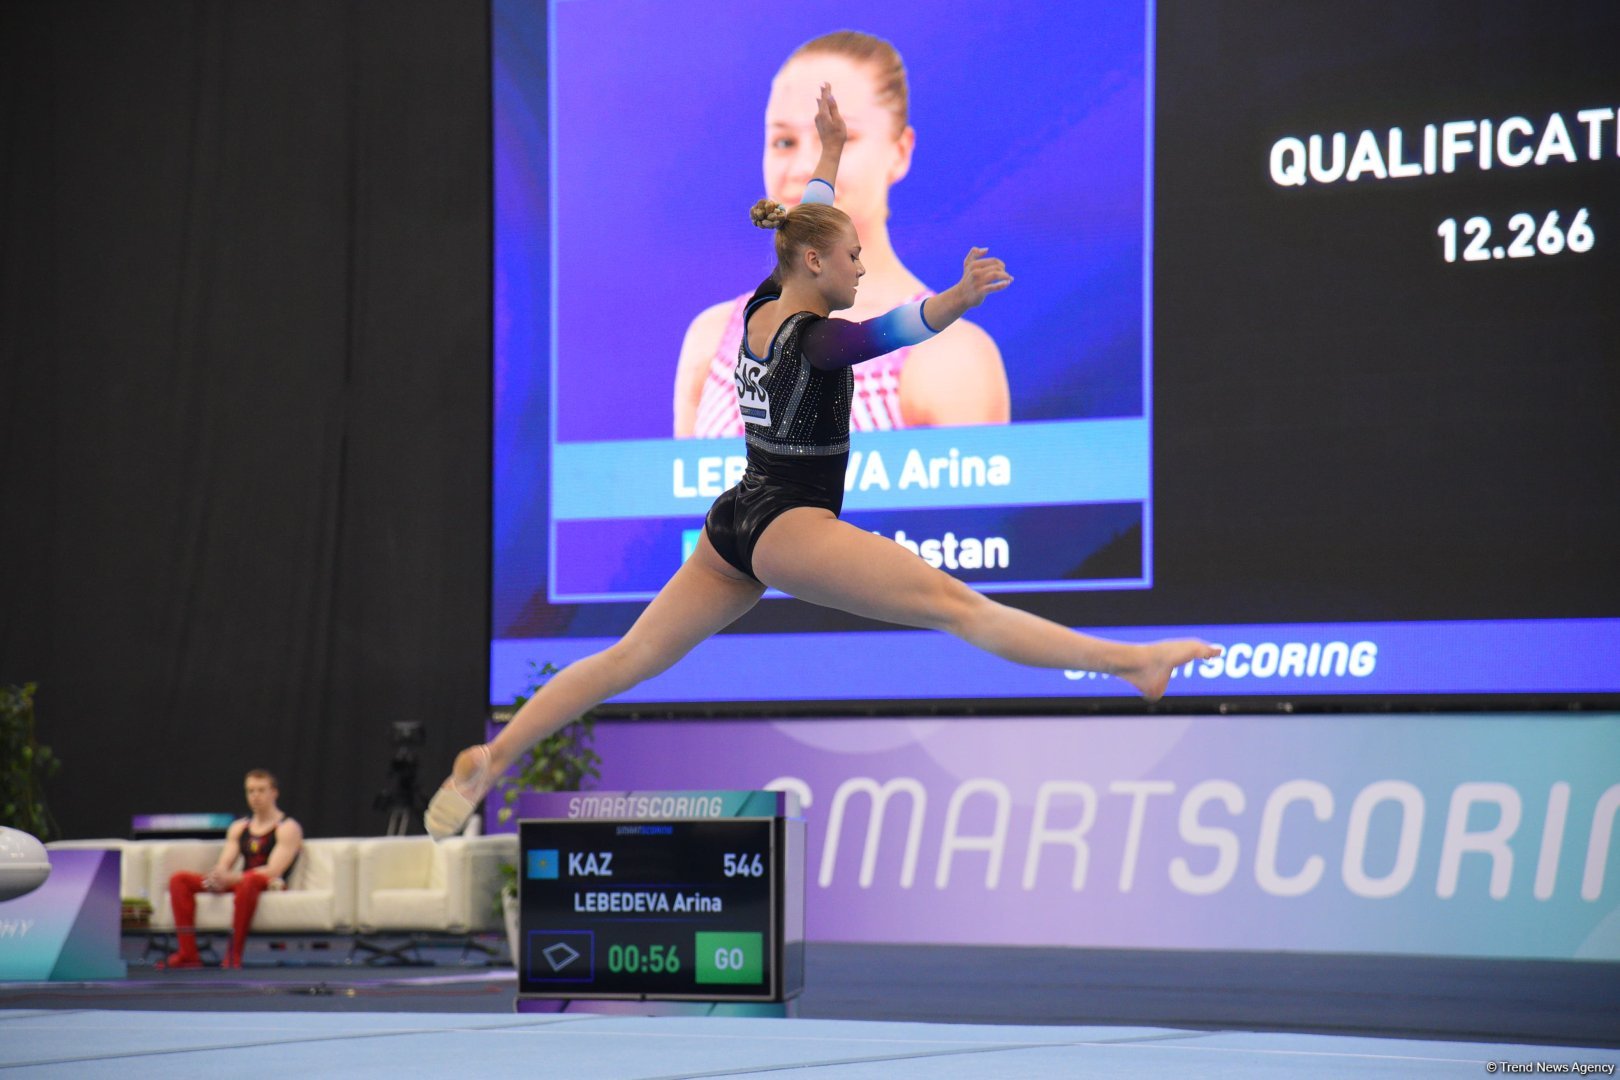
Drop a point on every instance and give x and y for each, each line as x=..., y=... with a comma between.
x=454, y=802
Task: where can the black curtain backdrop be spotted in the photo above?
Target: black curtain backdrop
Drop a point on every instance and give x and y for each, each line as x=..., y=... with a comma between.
x=244, y=395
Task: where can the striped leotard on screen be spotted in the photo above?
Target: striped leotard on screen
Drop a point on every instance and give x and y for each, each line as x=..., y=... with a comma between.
x=874, y=393
x=874, y=396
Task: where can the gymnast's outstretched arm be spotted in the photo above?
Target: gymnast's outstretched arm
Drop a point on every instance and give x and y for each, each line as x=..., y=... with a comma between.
x=837, y=343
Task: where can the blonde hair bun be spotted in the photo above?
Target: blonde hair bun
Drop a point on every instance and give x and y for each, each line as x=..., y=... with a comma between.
x=768, y=214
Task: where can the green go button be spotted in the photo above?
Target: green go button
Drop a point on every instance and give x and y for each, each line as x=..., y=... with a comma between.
x=730, y=958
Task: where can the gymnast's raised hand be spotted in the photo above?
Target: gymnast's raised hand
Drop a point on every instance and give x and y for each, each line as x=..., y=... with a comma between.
x=829, y=125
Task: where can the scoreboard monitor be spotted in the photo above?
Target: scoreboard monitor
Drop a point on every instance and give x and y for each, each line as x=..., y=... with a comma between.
x=684, y=909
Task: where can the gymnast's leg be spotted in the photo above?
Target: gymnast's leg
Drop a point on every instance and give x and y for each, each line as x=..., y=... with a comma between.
x=247, y=893
x=809, y=553
x=705, y=596
x=184, y=885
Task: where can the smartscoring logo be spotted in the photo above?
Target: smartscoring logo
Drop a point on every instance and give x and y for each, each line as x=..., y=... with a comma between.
x=1285, y=659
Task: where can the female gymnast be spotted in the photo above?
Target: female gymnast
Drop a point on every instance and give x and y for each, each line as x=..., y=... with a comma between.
x=779, y=526
x=955, y=378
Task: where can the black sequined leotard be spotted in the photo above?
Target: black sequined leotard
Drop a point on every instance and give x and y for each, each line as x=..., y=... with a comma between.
x=795, y=407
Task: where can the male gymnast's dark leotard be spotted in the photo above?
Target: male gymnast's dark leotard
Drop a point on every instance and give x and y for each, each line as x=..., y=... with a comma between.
x=256, y=849
x=795, y=407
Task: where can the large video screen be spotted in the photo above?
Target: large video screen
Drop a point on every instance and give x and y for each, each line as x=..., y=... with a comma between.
x=1312, y=352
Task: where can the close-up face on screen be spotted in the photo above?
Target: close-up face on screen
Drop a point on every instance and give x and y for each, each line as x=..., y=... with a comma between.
x=1310, y=350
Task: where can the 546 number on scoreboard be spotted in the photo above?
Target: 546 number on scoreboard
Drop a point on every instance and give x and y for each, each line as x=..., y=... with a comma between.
x=744, y=865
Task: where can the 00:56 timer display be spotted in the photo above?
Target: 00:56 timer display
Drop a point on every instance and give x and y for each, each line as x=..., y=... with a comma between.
x=657, y=960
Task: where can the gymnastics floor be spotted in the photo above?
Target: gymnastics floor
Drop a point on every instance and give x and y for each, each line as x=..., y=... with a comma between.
x=121, y=1044
x=867, y=1011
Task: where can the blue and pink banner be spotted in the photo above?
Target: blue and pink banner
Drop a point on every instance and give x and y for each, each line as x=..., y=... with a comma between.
x=1425, y=834
x=68, y=928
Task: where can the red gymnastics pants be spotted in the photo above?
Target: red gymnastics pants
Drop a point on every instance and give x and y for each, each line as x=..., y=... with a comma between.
x=183, y=889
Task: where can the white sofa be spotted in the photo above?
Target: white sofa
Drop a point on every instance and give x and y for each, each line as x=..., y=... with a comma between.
x=319, y=897
x=385, y=884
x=412, y=883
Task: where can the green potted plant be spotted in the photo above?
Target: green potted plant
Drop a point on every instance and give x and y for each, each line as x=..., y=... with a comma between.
x=565, y=760
x=25, y=765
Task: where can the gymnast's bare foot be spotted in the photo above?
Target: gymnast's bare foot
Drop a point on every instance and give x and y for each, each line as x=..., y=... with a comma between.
x=1150, y=670
x=470, y=780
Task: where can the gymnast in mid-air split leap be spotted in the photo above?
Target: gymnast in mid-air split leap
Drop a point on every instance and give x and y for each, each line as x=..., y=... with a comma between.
x=779, y=526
